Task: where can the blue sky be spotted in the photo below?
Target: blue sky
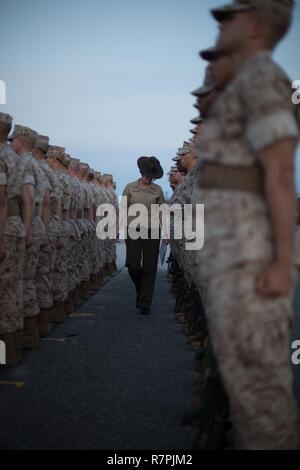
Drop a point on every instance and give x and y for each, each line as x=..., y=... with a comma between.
x=111, y=79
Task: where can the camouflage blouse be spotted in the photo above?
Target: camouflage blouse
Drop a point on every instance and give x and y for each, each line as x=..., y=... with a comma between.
x=254, y=111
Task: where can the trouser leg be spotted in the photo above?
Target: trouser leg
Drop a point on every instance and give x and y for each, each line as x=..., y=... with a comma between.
x=8, y=306
x=149, y=269
x=134, y=261
x=251, y=336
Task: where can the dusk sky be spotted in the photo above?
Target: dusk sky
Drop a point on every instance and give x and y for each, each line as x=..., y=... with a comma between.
x=110, y=80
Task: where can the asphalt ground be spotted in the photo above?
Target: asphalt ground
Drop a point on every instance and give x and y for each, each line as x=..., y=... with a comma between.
x=107, y=378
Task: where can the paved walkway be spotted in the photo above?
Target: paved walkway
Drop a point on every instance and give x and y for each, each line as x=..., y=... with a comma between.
x=105, y=379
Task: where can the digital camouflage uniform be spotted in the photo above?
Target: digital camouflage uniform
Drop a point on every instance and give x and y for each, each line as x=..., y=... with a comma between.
x=12, y=175
x=63, y=264
x=97, y=263
x=89, y=205
x=101, y=199
x=112, y=245
x=30, y=300
x=85, y=232
x=75, y=237
x=250, y=333
x=48, y=253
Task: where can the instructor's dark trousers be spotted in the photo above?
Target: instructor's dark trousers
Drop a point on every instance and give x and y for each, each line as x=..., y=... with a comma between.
x=141, y=261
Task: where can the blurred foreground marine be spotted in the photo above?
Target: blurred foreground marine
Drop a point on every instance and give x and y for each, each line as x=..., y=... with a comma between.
x=246, y=181
x=210, y=406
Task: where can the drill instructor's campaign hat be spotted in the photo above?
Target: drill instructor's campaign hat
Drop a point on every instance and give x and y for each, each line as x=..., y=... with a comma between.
x=150, y=166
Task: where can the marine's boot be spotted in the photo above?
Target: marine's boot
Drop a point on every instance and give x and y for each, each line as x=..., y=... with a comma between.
x=76, y=298
x=83, y=290
x=100, y=278
x=69, y=305
x=180, y=317
x=30, y=337
x=57, y=313
x=12, y=350
x=93, y=283
x=43, y=322
x=86, y=288
x=107, y=270
x=102, y=272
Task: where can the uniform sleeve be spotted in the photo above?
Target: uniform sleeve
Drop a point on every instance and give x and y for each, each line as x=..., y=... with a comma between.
x=126, y=193
x=271, y=115
x=3, y=174
x=28, y=174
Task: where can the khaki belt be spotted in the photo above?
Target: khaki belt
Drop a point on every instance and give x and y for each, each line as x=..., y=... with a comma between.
x=13, y=208
x=229, y=177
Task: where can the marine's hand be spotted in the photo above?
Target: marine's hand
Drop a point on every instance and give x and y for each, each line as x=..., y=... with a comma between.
x=275, y=281
x=29, y=240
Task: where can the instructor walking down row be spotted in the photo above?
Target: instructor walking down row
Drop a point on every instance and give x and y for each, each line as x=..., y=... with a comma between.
x=142, y=254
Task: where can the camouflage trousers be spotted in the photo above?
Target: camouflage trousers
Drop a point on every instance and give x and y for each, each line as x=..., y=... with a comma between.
x=20, y=257
x=44, y=280
x=110, y=251
x=84, y=258
x=95, y=261
x=178, y=249
x=250, y=336
x=60, y=287
x=32, y=253
x=72, y=255
x=90, y=252
x=101, y=253
x=51, y=252
x=8, y=304
x=83, y=252
x=72, y=270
